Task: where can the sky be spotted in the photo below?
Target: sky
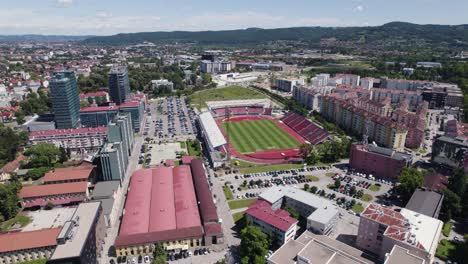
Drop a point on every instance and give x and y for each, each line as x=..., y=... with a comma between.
x=108, y=17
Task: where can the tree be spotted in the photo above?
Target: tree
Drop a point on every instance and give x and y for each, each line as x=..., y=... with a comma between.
x=451, y=205
x=84, y=104
x=306, y=187
x=49, y=206
x=36, y=173
x=410, y=179
x=458, y=182
x=90, y=100
x=63, y=155
x=305, y=150
x=9, y=200
x=20, y=117
x=159, y=255
x=313, y=189
x=292, y=211
x=337, y=183
x=206, y=78
x=43, y=152
x=352, y=191
x=9, y=143
x=254, y=244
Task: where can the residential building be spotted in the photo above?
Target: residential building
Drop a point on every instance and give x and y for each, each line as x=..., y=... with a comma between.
x=309, y=98
x=277, y=223
x=428, y=64
x=76, y=139
x=11, y=167
x=19, y=247
x=136, y=108
x=381, y=228
x=440, y=95
x=381, y=162
x=119, y=85
x=414, y=98
x=65, y=100
x=81, y=239
x=320, y=80
x=320, y=213
x=287, y=85
x=311, y=248
x=113, y=161
x=415, y=122
x=455, y=128
x=426, y=202
x=450, y=151
x=346, y=79
x=367, y=83
x=69, y=193
x=363, y=116
x=401, y=84
x=120, y=130
x=168, y=85
x=108, y=193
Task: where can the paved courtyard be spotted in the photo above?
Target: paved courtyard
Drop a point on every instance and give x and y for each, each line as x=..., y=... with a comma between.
x=164, y=151
x=55, y=217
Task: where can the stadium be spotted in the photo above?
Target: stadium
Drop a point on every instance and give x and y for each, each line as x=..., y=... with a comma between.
x=246, y=130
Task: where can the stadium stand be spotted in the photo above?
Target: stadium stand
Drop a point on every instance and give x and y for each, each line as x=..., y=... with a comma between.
x=306, y=128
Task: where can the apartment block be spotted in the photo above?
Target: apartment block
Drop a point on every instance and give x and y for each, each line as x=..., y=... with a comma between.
x=75, y=139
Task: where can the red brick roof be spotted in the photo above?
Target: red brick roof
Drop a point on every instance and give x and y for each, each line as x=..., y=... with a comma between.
x=71, y=173
x=99, y=109
x=53, y=189
x=205, y=200
x=15, y=241
x=277, y=218
x=98, y=93
x=188, y=159
x=68, y=131
x=12, y=165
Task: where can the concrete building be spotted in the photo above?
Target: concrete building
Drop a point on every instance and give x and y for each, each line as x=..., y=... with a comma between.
x=311, y=248
x=428, y=64
x=81, y=239
x=401, y=84
x=321, y=214
x=440, y=95
x=287, y=85
x=414, y=98
x=214, y=67
x=346, y=79
x=120, y=130
x=136, y=108
x=277, y=223
x=113, y=161
x=380, y=229
x=367, y=83
x=65, y=100
x=18, y=247
x=76, y=139
x=156, y=84
x=96, y=116
x=320, y=80
x=381, y=162
x=108, y=193
x=400, y=255
x=426, y=202
x=119, y=85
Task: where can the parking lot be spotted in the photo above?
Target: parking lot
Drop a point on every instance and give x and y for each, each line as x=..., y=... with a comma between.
x=173, y=120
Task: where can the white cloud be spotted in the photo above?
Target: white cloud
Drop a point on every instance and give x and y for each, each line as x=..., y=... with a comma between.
x=64, y=3
x=358, y=8
x=105, y=23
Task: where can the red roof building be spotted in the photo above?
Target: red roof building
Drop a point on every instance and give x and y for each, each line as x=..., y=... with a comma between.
x=74, y=139
x=29, y=245
x=51, y=191
x=71, y=174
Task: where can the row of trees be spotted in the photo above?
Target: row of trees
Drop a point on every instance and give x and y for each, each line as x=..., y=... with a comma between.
x=327, y=152
x=10, y=142
x=9, y=200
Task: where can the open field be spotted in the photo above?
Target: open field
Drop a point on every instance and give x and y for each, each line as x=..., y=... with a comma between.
x=22, y=220
x=254, y=136
x=199, y=99
x=228, y=193
x=267, y=168
x=241, y=203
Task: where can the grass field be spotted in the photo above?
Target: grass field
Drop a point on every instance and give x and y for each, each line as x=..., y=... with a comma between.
x=21, y=219
x=447, y=228
x=199, y=99
x=241, y=203
x=228, y=193
x=367, y=197
x=238, y=216
x=253, y=136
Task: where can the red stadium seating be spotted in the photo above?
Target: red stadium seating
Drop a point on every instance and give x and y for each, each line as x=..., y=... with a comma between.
x=306, y=128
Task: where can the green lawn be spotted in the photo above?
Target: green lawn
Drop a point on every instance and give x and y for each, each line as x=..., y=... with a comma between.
x=268, y=168
x=37, y=261
x=192, y=151
x=357, y=208
x=200, y=98
x=21, y=219
x=446, y=229
x=253, y=136
x=374, y=188
x=366, y=197
x=241, y=203
x=183, y=145
x=312, y=178
x=238, y=216
x=228, y=193
x=330, y=174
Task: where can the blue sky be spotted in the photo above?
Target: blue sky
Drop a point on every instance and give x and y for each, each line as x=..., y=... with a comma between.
x=105, y=17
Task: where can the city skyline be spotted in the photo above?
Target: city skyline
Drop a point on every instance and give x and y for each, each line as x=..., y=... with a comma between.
x=87, y=17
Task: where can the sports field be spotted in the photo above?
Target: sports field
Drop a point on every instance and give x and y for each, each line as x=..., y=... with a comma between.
x=252, y=136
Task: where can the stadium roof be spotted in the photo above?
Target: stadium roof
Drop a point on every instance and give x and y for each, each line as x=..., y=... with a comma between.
x=53, y=189
x=207, y=206
x=160, y=199
x=15, y=241
x=211, y=129
x=238, y=103
x=70, y=173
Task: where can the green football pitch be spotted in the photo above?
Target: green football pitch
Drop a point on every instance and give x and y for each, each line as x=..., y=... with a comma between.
x=252, y=136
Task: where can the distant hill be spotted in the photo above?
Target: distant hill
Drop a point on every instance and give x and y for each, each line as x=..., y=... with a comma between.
x=399, y=31
x=40, y=38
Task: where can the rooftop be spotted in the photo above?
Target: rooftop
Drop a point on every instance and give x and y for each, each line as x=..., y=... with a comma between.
x=79, y=227
x=400, y=255
x=278, y=218
x=53, y=189
x=72, y=131
x=14, y=241
x=105, y=189
x=214, y=134
x=426, y=202
x=70, y=173
x=99, y=109
x=202, y=189
x=324, y=209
